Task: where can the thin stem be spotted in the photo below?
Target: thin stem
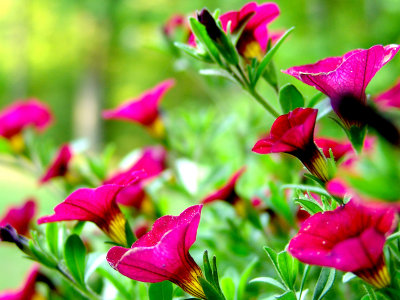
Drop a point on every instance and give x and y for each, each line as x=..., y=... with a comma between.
x=84, y=292
x=262, y=101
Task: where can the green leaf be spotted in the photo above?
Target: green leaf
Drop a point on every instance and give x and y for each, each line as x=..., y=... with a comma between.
x=290, y=98
x=273, y=256
x=217, y=72
x=193, y=52
x=244, y=277
x=40, y=256
x=130, y=238
x=270, y=76
x=306, y=188
x=270, y=281
x=268, y=56
x=75, y=256
x=309, y=205
x=207, y=268
x=303, y=279
x=160, y=291
x=290, y=295
x=215, y=273
x=356, y=136
x=288, y=267
x=228, y=288
x=348, y=276
x=324, y=283
x=200, y=32
x=210, y=291
x=52, y=238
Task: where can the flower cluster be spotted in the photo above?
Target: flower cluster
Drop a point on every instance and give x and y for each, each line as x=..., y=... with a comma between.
x=312, y=214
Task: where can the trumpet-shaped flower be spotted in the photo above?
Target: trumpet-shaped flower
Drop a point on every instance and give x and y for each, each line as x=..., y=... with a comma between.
x=254, y=38
x=227, y=192
x=144, y=110
x=389, y=98
x=95, y=205
x=59, y=166
x=20, y=115
x=350, y=239
x=345, y=76
x=163, y=253
x=152, y=162
x=20, y=217
x=293, y=133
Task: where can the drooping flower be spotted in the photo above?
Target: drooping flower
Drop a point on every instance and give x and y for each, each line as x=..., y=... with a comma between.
x=20, y=217
x=95, y=205
x=389, y=98
x=20, y=115
x=59, y=166
x=254, y=37
x=293, y=133
x=347, y=76
x=339, y=149
x=350, y=239
x=228, y=194
x=163, y=253
x=27, y=291
x=144, y=110
x=152, y=162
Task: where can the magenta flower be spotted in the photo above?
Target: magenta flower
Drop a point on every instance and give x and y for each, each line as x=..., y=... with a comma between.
x=389, y=98
x=20, y=217
x=293, y=133
x=345, y=76
x=350, y=239
x=20, y=115
x=27, y=291
x=254, y=37
x=144, y=110
x=163, y=253
x=97, y=206
x=59, y=166
x=152, y=162
x=228, y=194
x=339, y=149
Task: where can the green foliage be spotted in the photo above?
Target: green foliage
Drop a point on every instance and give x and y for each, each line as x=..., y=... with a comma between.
x=324, y=283
x=290, y=98
x=75, y=257
x=160, y=291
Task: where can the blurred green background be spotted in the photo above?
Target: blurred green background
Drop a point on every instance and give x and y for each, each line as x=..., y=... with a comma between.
x=83, y=56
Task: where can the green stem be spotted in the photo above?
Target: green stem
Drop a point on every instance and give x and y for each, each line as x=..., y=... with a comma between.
x=262, y=101
x=86, y=292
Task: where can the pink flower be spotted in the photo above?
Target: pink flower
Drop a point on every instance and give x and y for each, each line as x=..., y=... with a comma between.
x=293, y=133
x=163, y=253
x=227, y=192
x=143, y=110
x=254, y=37
x=350, y=239
x=339, y=149
x=21, y=114
x=389, y=98
x=27, y=291
x=95, y=205
x=20, y=217
x=152, y=162
x=59, y=166
x=345, y=76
